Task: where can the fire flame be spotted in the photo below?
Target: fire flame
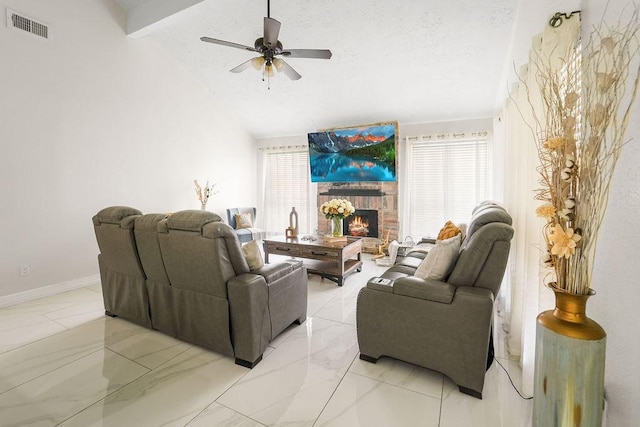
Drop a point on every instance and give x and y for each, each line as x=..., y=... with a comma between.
x=358, y=227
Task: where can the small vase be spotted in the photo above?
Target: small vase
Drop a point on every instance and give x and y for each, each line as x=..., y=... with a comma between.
x=293, y=222
x=203, y=206
x=336, y=226
x=569, y=364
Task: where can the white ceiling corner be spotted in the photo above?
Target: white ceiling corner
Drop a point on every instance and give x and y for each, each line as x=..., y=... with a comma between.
x=413, y=61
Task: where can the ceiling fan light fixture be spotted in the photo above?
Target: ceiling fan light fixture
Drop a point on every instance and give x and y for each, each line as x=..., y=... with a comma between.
x=269, y=70
x=257, y=62
x=278, y=63
x=268, y=46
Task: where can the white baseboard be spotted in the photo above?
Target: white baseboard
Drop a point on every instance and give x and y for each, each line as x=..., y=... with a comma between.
x=45, y=291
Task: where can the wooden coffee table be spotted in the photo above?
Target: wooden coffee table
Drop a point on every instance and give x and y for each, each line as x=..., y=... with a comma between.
x=332, y=260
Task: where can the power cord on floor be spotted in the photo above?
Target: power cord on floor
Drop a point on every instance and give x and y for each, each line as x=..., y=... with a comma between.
x=511, y=381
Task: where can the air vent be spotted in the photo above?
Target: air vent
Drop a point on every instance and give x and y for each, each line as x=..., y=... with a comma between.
x=19, y=21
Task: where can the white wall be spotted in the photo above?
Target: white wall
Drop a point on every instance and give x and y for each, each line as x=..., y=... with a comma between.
x=90, y=118
x=617, y=271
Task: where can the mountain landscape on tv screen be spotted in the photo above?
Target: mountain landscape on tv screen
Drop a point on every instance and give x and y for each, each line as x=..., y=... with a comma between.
x=330, y=142
x=353, y=155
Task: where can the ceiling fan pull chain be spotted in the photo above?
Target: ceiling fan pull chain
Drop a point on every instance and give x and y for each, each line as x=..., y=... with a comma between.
x=264, y=72
x=268, y=78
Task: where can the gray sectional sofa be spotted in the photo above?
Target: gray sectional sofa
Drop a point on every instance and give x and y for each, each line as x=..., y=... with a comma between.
x=444, y=325
x=186, y=275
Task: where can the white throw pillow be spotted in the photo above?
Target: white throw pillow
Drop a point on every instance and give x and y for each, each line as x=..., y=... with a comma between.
x=252, y=254
x=440, y=259
x=393, y=251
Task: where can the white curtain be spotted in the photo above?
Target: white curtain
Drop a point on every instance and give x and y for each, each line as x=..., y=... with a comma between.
x=524, y=295
x=285, y=183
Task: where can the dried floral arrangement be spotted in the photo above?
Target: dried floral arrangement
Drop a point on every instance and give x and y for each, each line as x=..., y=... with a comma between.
x=204, y=193
x=579, y=141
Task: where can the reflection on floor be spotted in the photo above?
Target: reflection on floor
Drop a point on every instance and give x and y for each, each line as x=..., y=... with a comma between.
x=62, y=362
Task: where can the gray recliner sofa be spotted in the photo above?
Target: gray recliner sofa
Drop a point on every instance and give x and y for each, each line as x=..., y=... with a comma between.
x=441, y=325
x=199, y=288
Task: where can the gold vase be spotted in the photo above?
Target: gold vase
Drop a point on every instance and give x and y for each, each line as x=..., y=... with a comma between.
x=569, y=365
x=569, y=317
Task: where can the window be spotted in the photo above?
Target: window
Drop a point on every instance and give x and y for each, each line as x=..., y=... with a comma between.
x=446, y=179
x=287, y=184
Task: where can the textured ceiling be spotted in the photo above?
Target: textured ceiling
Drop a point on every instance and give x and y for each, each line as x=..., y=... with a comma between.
x=413, y=61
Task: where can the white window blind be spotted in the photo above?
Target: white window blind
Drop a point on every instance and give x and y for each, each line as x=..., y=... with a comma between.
x=287, y=184
x=447, y=178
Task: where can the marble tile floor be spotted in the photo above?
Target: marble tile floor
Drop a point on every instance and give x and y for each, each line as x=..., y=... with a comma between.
x=63, y=362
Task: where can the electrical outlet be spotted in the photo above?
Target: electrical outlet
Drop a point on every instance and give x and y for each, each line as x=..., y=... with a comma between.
x=25, y=270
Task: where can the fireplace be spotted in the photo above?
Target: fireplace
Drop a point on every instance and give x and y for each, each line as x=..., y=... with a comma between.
x=380, y=197
x=363, y=223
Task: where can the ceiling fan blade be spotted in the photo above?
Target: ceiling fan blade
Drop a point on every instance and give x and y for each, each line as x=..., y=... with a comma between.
x=271, y=31
x=229, y=44
x=240, y=68
x=307, y=53
x=285, y=68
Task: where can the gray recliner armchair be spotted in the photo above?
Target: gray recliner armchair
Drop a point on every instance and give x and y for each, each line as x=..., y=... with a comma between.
x=441, y=325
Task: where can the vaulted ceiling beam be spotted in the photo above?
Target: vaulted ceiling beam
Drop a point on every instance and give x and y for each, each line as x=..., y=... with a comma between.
x=148, y=16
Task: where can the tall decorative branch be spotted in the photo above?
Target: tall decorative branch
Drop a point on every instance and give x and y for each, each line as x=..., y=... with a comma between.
x=586, y=114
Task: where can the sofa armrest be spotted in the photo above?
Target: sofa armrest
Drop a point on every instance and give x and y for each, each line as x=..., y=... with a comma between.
x=262, y=303
x=476, y=295
x=273, y=272
x=475, y=306
x=427, y=289
x=288, y=299
x=249, y=311
x=382, y=284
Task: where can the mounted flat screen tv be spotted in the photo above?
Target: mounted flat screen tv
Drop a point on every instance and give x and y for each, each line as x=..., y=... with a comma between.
x=364, y=153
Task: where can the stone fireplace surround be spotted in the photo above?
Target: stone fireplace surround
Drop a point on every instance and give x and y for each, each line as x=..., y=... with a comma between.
x=380, y=196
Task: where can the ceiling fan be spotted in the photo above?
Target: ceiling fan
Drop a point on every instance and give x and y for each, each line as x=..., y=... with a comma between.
x=269, y=47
